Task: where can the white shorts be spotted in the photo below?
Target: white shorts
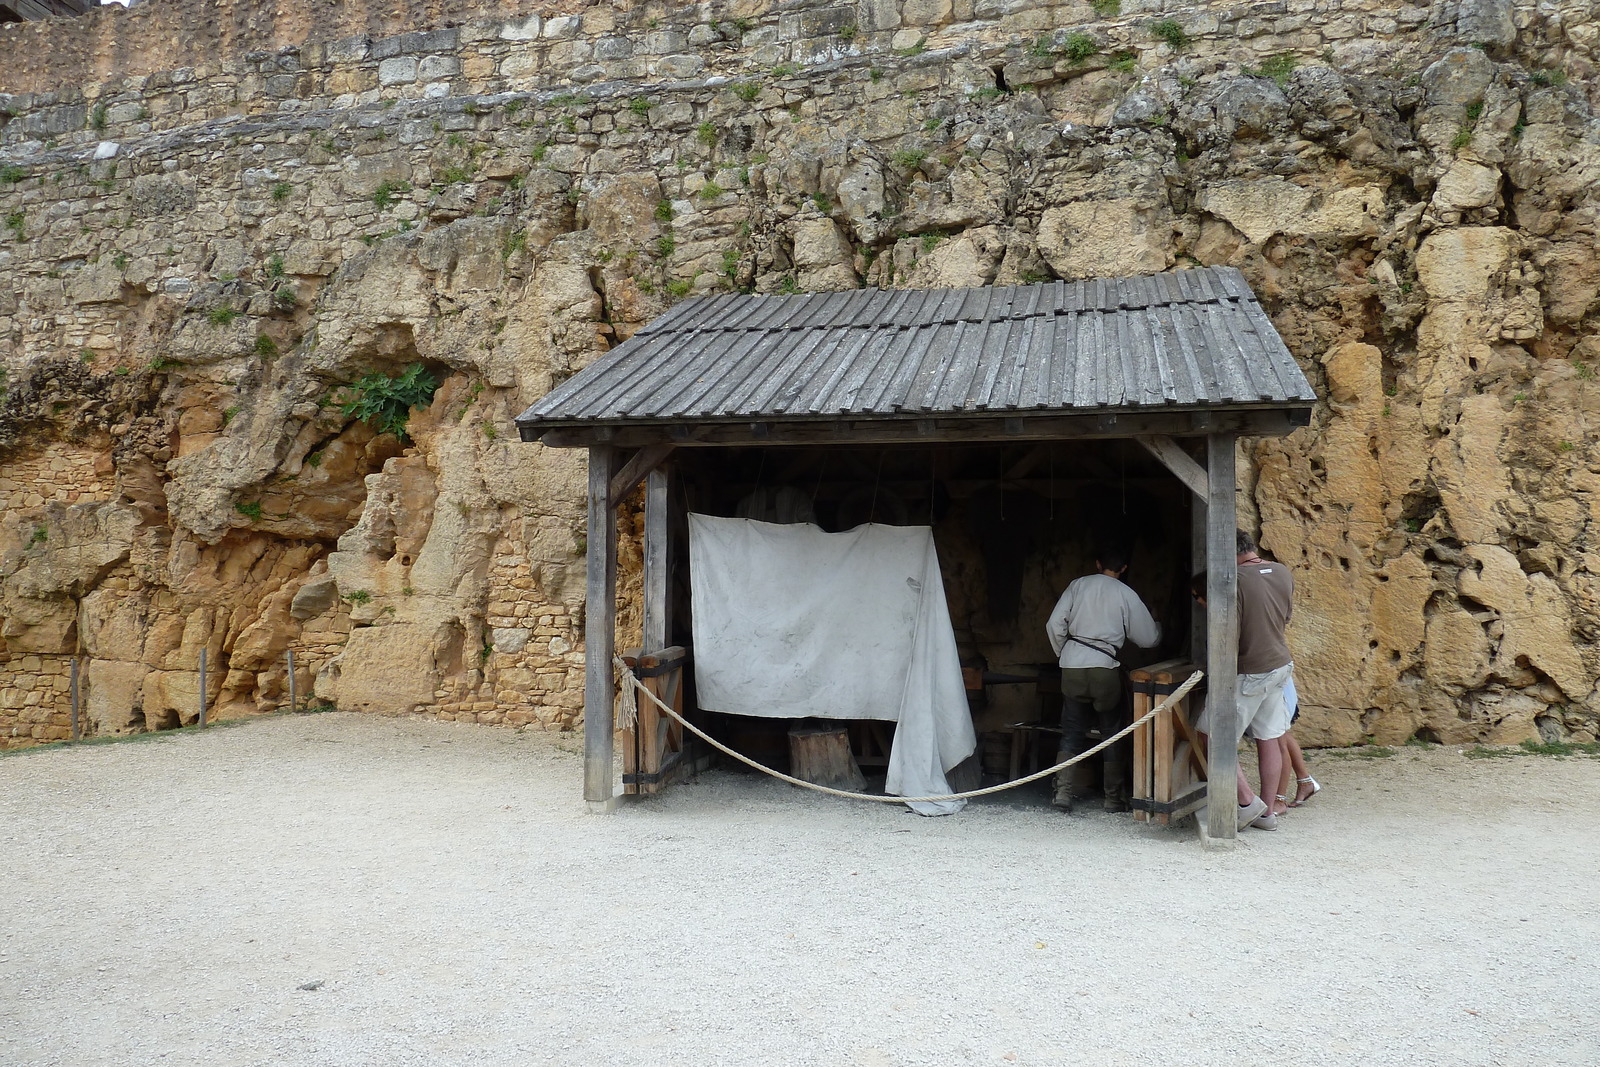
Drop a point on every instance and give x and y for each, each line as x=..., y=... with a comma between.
x=1264, y=713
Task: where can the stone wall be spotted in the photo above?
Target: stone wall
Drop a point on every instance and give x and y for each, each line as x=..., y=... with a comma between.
x=35, y=699
x=201, y=259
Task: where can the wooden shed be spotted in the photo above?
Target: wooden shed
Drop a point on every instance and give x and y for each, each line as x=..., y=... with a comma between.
x=1182, y=363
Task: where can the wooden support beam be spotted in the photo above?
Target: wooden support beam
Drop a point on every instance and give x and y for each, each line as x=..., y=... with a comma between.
x=639, y=464
x=1222, y=639
x=1179, y=462
x=657, y=559
x=840, y=430
x=600, y=633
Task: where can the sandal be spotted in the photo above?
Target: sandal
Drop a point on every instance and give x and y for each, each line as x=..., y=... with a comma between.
x=1299, y=801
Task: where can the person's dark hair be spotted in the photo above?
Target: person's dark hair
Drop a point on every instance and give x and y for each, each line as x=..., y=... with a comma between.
x=1197, y=584
x=1245, y=542
x=1111, y=558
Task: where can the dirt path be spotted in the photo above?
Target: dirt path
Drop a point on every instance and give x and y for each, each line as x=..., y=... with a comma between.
x=163, y=900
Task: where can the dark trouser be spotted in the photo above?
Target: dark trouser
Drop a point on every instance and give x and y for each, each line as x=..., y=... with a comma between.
x=1093, y=697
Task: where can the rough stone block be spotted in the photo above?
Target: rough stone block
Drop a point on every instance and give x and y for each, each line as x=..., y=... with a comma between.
x=401, y=70
x=434, y=67
x=527, y=29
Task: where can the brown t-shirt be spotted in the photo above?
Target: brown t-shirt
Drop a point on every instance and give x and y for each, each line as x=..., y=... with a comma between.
x=1266, y=599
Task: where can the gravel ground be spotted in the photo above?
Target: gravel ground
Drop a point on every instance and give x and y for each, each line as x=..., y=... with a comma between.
x=167, y=901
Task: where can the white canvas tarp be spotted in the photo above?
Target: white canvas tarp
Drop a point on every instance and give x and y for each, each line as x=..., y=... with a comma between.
x=791, y=621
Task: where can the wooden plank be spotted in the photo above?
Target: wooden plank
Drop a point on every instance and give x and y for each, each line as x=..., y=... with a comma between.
x=600, y=606
x=657, y=558
x=1180, y=463
x=640, y=464
x=1257, y=422
x=1197, y=754
x=1161, y=762
x=632, y=740
x=1141, y=754
x=1222, y=645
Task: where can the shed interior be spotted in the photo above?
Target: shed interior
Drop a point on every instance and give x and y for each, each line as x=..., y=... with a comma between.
x=1013, y=523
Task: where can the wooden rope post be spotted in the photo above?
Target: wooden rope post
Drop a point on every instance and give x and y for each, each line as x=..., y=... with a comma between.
x=202, y=689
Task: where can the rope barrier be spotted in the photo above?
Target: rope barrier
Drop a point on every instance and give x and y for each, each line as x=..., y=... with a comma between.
x=1176, y=695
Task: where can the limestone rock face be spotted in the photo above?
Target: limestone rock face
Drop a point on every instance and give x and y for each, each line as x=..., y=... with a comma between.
x=205, y=256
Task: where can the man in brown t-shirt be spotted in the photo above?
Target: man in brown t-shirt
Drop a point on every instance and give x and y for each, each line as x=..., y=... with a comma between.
x=1266, y=600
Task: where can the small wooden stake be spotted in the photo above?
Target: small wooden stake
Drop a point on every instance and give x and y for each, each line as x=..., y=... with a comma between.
x=202, y=689
x=75, y=731
x=292, y=702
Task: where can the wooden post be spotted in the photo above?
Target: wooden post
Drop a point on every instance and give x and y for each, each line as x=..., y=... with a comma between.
x=1222, y=638
x=202, y=688
x=1141, y=752
x=293, y=704
x=600, y=636
x=1198, y=542
x=657, y=560
x=76, y=733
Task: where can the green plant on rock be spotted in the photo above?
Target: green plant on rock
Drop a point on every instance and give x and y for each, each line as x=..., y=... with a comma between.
x=281, y=191
x=908, y=158
x=665, y=246
x=387, y=194
x=711, y=190
x=97, y=117
x=788, y=286
x=16, y=222
x=1078, y=47
x=385, y=402
x=1170, y=31
x=222, y=316
x=1106, y=9
x=664, y=212
x=275, y=267
x=11, y=173
x=746, y=91
x=285, y=298
x=359, y=596
x=1277, y=67
x=250, y=509
x=822, y=203
x=707, y=133
x=40, y=536
x=266, y=347
x=1122, y=62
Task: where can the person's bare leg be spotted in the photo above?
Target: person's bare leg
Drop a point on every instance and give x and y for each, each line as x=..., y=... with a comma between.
x=1287, y=778
x=1246, y=794
x=1297, y=761
x=1269, y=754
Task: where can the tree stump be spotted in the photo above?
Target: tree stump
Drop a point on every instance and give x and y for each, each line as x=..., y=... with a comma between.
x=821, y=755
